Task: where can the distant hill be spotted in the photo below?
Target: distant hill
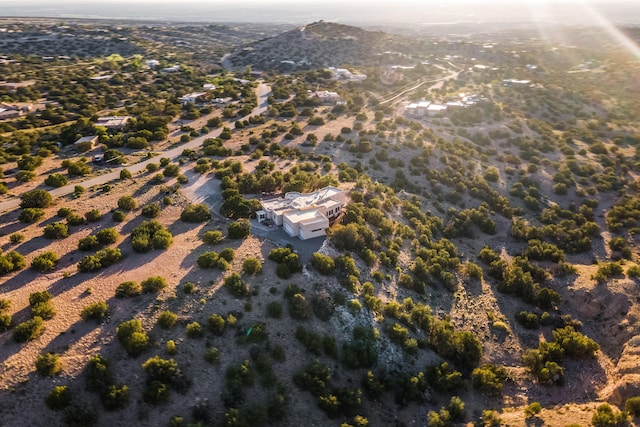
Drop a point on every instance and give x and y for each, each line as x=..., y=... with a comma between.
x=320, y=44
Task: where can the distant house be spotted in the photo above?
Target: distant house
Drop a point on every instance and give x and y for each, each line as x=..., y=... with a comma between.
x=514, y=82
x=344, y=74
x=208, y=86
x=193, y=98
x=435, y=110
x=417, y=109
x=13, y=111
x=327, y=97
x=113, y=122
x=173, y=69
x=86, y=143
x=152, y=63
x=304, y=215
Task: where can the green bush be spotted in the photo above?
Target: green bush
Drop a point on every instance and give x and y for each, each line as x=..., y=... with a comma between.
x=216, y=324
x=128, y=289
x=118, y=216
x=212, y=237
x=207, y=259
x=93, y=215
x=189, y=288
x=5, y=321
x=29, y=330
x=151, y=210
x=48, y=364
x=102, y=259
x=239, y=229
x=16, y=238
x=127, y=203
x=99, y=374
x=212, y=355
x=323, y=263
x=30, y=215
x=196, y=213
x=632, y=405
x=167, y=319
x=155, y=393
x=56, y=180
x=251, y=266
x=36, y=199
x=228, y=254
x=162, y=239
x=107, y=236
x=88, y=243
x=11, y=261
x=125, y=174
x=153, y=284
x=605, y=416
x=44, y=310
x=132, y=337
x=274, y=310
x=58, y=398
x=489, y=378
x=95, y=311
x=115, y=397
x=44, y=262
x=75, y=219
x=56, y=230
x=532, y=409
x=150, y=235
x=80, y=416
x=194, y=330
x=236, y=285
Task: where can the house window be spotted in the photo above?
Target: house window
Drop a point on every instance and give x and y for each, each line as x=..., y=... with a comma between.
x=316, y=230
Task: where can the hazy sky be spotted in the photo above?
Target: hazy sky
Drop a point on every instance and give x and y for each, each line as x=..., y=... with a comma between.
x=348, y=11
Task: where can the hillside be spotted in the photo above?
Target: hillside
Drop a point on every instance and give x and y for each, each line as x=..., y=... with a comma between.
x=320, y=45
x=485, y=270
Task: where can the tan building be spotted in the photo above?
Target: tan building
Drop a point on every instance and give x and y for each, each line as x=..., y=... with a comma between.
x=304, y=215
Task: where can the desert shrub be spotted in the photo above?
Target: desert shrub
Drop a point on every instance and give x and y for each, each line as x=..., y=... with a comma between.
x=16, y=238
x=39, y=297
x=491, y=418
x=162, y=239
x=323, y=263
x=128, y=289
x=274, y=310
x=151, y=210
x=189, y=288
x=299, y=307
x=124, y=174
x=155, y=393
x=5, y=321
x=171, y=347
x=167, y=319
x=632, y=405
x=101, y=259
x=239, y=229
x=194, y=330
x=212, y=355
x=171, y=170
x=80, y=416
x=58, y=398
x=207, y=259
x=88, y=243
x=118, y=216
x=574, y=343
x=212, y=237
x=159, y=369
x=216, y=324
x=153, y=284
x=48, y=364
x=236, y=285
x=44, y=310
x=149, y=235
x=99, y=374
x=132, y=337
x=115, y=397
x=195, y=213
x=36, y=199
x=30, y=215
x=11, y=261
x=29, y=330
x=74, y=219
x=44, y=262
x=528, y=319
x=56, y=230
x=93, y=215
x=96, y=311
x=532, y=409
x=107, y=236
x=227, y=254
x=489, y=378
x=63, y=212
x=605, y=416
x=56, y=180
x=127, y=203
x=251, y=266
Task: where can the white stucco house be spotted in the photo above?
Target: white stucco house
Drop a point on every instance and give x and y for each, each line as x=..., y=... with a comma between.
x=305, y=215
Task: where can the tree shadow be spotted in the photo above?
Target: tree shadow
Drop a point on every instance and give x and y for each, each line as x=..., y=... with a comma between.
x=11, y=224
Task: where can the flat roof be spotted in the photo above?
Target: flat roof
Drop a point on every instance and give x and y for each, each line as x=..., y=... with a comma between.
x=294, y=200
x=306, y=216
